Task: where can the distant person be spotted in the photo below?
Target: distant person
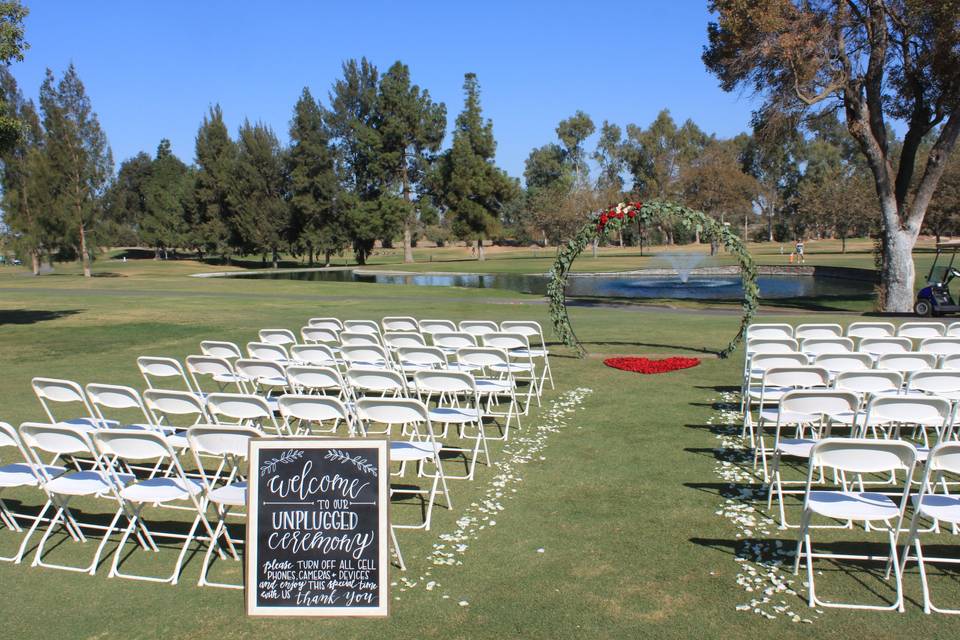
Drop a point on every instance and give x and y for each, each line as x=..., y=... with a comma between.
x=799, y=251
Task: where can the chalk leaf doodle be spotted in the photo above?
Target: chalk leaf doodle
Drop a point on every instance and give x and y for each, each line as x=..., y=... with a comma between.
x=343, y=457
x=287, y=456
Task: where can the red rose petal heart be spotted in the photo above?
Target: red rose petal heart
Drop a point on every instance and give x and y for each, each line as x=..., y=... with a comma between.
x=648, y=366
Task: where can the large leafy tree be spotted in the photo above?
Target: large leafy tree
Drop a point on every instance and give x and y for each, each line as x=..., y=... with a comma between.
x=411, y=128
x=352, y=120
x=215, y=156
x=874, y=60
x=261, y=216
x=469, y=184
x=316, y=215
x=716, y=184
x=166, y=199
x=572, y=132
x=79, y=157
x=943, y=216
x=125, y=206
x=12, y=46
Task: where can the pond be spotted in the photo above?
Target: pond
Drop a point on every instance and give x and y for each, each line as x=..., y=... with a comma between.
x=625, y=285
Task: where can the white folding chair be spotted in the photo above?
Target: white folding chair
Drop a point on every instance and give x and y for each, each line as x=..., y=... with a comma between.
x=132, y=446
x=763, y=346
x=889, y=416
x=97, y=482
x=413, y=359
x=538, y=344
x=111, y=397
x=494, y=383
x=226, y=490
x=267, y=351
x=768, y=331
x=811, y=330
x=320, y=335
x=400, y=323
x=366, y=356
x=941, y=347
x=170, y=371
x=478, y=328
x=394, y=340
x=326, y=323
x=320, y=355
x=820, y=410
x=882, y=346
x=282, y=337
x=365, y=382
x=520, y=362
x=175, y=409
x=953, y=330
x=313, y=415
x=56, y=391
x=220, y=349
x=860, y=330
x=264, y=376
x=937, y=382
x=837, y=363
x=220, y=370
x=19, y=475
x=362, y=326
x=920, y=330
x=869, y=382
x=434, y=326
x=950, y=362
x=855, y=457
x=455, y=401
x=243, y=410
x=451, y=342
x=752, y=383
x=816, y=346
x=316, y=381
x=907, y=362
x=360, y=339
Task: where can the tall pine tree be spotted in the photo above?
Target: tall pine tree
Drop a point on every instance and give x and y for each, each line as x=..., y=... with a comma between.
x=79, y=156
x=215, y=156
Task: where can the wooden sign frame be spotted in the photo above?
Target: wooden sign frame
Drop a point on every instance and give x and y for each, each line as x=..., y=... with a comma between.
x=263, y=452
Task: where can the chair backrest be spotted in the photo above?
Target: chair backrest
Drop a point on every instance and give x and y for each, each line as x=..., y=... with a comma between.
x=326, y=323
x=358, y=338
x=319, y=335
x=936, y=381
x=164, y=368
x=839, y=362
x=764, y=361
x=950, y=362
x=267, y=351
x=422, y=356
x=55, y=390
x=431, y=327
x=944, y=457
x=260, y=370
x=220, y=369
x=59, y=439
x=277, y=336
x=454, y=340
x=940, y=346
x=111, y=396
x=392, y=410
x=376, y=380
x=133, y=445
x=919, y=330
x=478, y=327
x=361, y=326
x=308, y=378
x=772, y=345
x=953, y=329
x=221, y=440
x=880, y=346
x=10, y=437
x=444, y=382
x=826, y=345
x=869, y=381
x=529, y=328
x=483, y=357
x=397, y=339
x=860, y=455
x=164, y=405
x=768, y=331
x=313, y=354
x=810, y=330
x=928, y=410
x=804, y=377
x=506, y=341
x=312, y=408
x=907, y=361
x=400, y=323
x=219, y=349
x=871, y=330
x=239, y=408
x=815, y=402
x=369, y=354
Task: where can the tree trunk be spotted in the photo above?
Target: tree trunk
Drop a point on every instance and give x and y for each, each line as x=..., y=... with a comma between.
x=770, y=226
x=84, y=255
x=311, y=256
x=620, y=238
x=696, y=236
x=156, y=253
x=843, y=244
x=326, y=261
x=276, y=259
x=35, y=261
x=480, y=255
x=595, y=243
x=407, y=242
x=897, y=272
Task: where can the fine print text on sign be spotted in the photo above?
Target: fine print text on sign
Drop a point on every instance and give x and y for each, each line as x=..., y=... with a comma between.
x=317, y=528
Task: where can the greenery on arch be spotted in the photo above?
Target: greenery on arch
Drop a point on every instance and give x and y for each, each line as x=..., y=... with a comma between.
x=648, y=213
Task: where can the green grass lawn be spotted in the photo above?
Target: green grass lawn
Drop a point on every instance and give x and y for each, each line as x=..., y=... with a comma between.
x=622, y=495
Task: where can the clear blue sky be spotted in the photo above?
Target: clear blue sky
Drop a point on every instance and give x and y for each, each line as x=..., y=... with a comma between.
x=152, y=69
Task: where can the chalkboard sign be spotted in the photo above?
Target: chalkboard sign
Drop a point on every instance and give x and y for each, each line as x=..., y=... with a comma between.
x=317, y=527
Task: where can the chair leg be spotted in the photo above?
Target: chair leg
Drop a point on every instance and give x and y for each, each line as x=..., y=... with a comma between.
x=396, y=549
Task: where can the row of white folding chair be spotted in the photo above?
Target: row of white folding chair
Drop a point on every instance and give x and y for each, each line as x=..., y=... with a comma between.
x=912, y=329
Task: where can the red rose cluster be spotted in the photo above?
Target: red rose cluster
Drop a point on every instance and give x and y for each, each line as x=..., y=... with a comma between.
x=613, y=214
x=647, y=366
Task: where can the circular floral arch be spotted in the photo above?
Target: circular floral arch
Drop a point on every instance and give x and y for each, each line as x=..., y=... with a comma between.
x=614, y=219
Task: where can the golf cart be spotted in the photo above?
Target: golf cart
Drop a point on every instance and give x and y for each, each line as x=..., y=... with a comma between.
x=935, y=299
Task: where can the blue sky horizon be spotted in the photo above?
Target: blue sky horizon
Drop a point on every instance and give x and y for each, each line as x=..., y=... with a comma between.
x=153, y=70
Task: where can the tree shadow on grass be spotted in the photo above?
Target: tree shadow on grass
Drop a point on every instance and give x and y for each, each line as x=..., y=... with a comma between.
x=33, y=316
x=651, y=345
